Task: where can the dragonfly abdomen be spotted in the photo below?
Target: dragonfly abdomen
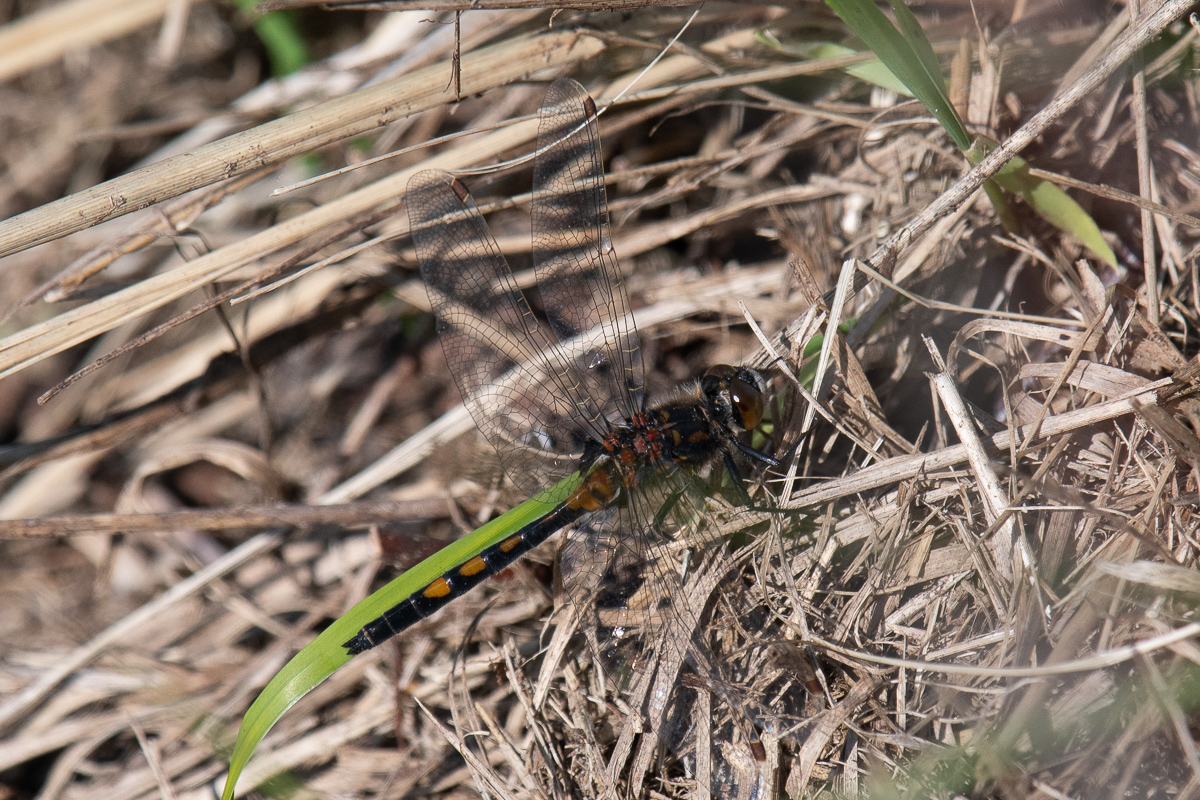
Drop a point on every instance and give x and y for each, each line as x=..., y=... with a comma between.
x=456, y=582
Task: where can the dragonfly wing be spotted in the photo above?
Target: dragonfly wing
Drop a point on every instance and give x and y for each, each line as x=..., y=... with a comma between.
x=519, y=385
x=580, y=281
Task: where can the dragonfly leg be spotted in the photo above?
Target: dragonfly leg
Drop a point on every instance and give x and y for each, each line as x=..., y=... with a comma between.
x=739, y=483
x=756, y=455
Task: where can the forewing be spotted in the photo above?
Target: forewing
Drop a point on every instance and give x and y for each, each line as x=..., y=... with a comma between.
x=577, y=271
x=516, y=381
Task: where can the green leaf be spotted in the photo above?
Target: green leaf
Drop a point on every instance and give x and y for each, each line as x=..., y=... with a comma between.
x=1000, y=203
x=915, y=36
x=1055, y=206
x=908, y=55
x=1047, y=200
x=873, y=71
x=325, y=654
x=280, y=35
x=808, y=372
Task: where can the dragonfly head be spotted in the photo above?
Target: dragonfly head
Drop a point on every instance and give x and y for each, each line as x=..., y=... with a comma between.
x=736, y=395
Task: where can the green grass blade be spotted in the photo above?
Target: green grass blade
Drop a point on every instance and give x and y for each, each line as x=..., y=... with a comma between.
x=280, y=35
x=1055, y=206
x=908, y=55
x=873, y=71
x=325, y=654
x=1000, y=202
x=915, y=36
x=1047, y=200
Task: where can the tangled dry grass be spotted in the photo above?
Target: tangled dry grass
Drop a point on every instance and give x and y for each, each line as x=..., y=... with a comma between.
x=983, y=565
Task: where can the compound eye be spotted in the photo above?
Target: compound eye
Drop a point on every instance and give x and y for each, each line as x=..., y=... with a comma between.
x=748, y=401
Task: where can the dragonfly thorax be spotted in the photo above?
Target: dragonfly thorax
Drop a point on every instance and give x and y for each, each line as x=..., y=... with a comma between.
x=689, y=431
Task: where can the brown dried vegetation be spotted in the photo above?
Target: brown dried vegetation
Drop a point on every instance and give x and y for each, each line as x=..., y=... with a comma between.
x=994, y=535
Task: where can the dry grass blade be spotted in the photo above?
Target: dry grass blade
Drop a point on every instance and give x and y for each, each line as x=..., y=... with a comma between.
x=347, y=515
x=978, y=583
x=45, y=37
x=41, y=341
x=273, y=142
x=472, y=5
x=995, y=501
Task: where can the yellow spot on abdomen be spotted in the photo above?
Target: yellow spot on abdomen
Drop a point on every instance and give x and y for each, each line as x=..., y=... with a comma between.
x=473, y=567
x=593, y=494
x=438, y=588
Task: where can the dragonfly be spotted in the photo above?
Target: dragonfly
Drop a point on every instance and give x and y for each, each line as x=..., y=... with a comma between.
x=560, y=392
